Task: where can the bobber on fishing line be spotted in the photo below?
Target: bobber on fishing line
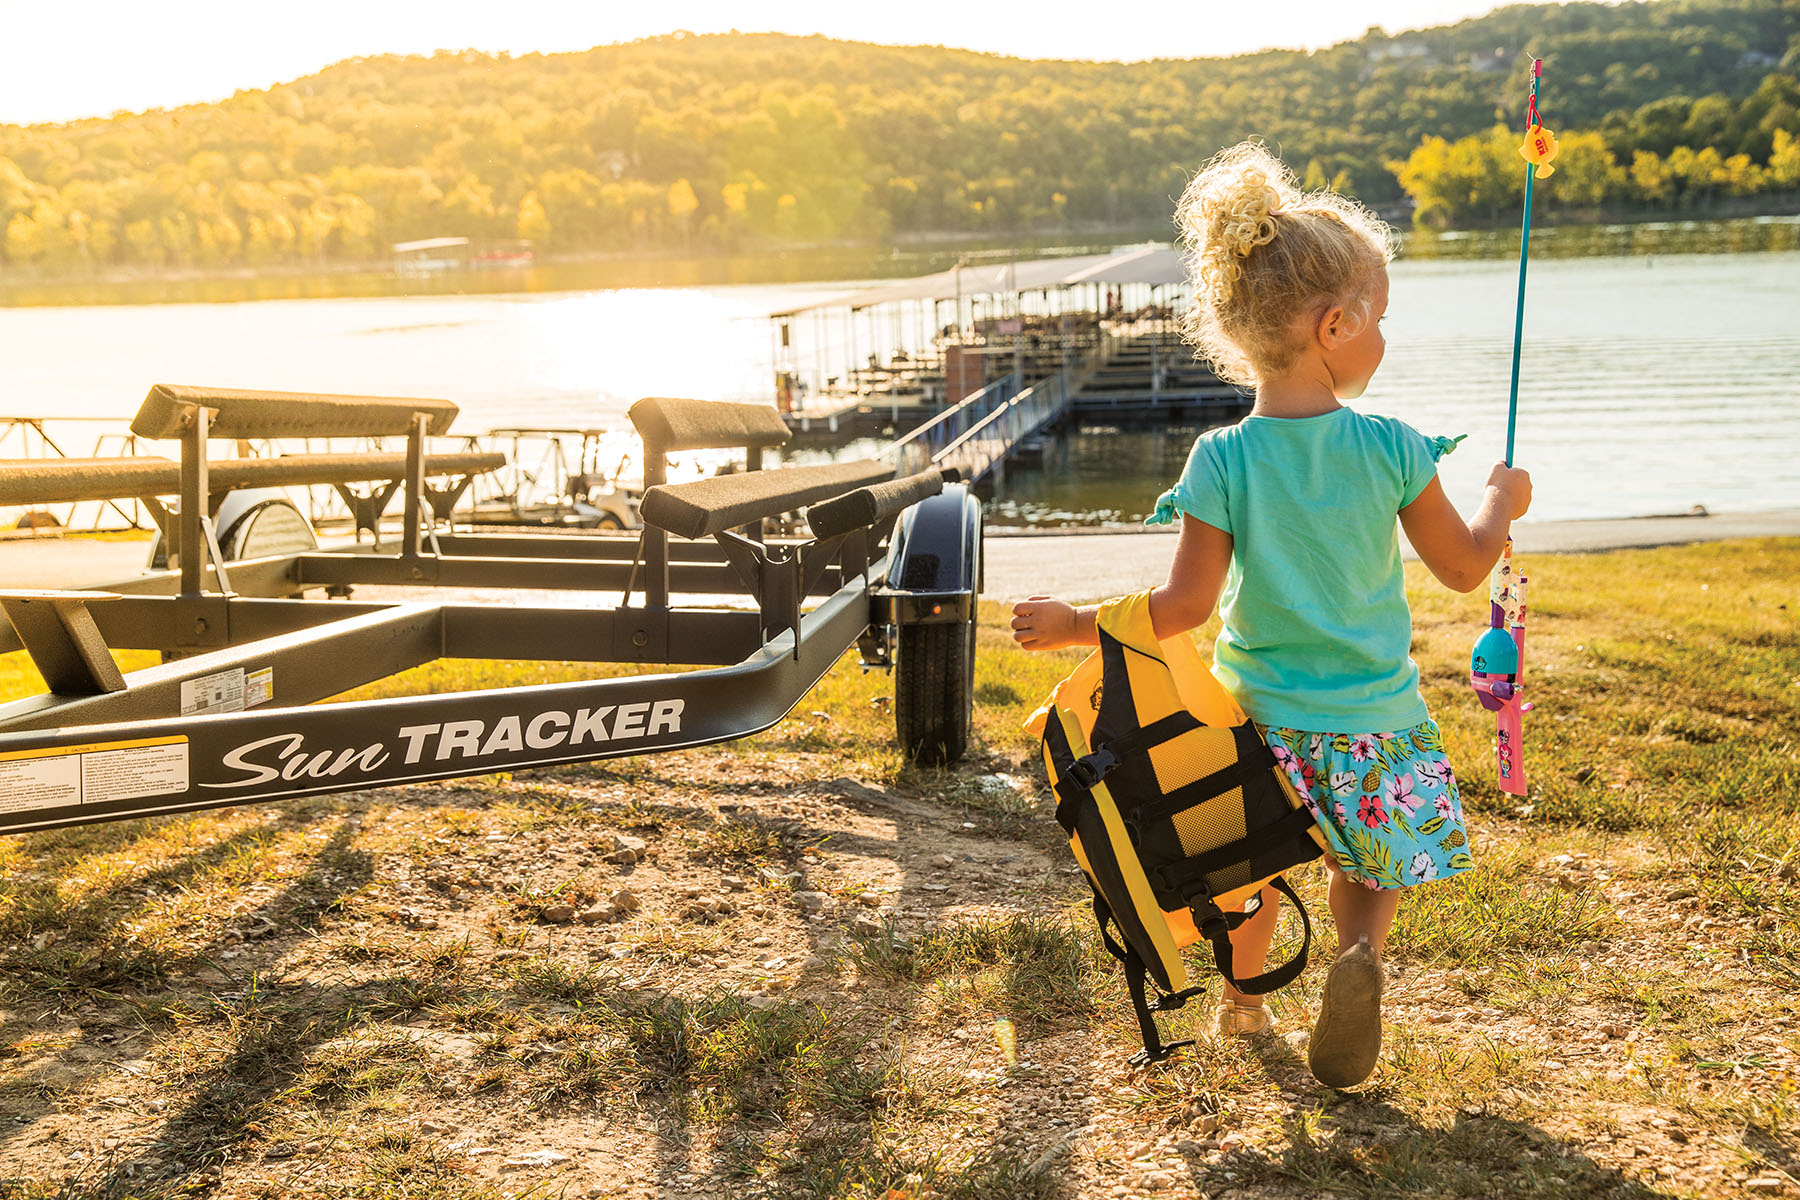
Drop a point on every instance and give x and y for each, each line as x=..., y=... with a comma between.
x=1497, y=664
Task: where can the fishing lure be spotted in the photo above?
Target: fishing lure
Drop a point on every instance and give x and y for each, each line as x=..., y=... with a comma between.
x=1539, y=146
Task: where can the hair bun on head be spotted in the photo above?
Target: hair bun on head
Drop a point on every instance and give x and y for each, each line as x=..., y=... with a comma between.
x=1229, y=210
x=1245, y=218
x=1259, y=249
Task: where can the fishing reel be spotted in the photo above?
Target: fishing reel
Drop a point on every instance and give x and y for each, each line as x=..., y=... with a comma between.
x=1495, y=665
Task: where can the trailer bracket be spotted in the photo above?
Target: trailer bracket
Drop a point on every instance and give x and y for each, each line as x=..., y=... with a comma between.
x=65, y=645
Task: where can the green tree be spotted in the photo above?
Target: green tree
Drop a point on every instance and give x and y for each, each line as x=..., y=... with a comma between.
x=534, y=223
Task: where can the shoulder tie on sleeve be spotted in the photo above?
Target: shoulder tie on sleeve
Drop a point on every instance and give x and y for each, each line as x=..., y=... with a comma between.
x=1164, y=512
x=1441, y=446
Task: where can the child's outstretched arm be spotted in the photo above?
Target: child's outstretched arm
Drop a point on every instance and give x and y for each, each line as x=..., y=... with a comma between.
x=1202, y=555
x=1461, y=555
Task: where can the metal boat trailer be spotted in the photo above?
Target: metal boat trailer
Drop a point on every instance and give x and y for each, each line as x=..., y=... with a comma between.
x=892, y=566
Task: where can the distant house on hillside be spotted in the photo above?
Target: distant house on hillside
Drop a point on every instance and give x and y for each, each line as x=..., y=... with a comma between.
x=1485, y=61
x=1398, y=49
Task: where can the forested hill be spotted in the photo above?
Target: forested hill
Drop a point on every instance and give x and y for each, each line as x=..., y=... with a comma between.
x=726, y=141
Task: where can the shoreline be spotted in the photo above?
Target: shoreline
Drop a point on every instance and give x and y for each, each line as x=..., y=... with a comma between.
x=816, y=262
x=1083, y=565
x=1109, y=562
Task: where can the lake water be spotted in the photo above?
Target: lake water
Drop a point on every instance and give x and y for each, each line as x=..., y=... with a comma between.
x=1650, y=382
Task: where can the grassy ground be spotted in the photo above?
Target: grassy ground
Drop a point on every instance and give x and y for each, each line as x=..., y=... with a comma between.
x=831, y=976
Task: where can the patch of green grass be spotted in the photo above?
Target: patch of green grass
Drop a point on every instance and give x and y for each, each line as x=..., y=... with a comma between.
x=739, y=839
x=400, y=1165
x=846, y=1164
x=997, y=692
x=358, y=1068
x=103, y=1179
x=554, y=979
x=1748, y=864
x=480, y=674
x=408, y=994
x=710, y=1060
x=585, y=1073
x=1027, y=967
x=722, y=1058
x=19, y=676
x=1502, y=909
x=1445, y=1071
x=137, y=924
x=479, y=1013
x=538, y=804
x=386, y=945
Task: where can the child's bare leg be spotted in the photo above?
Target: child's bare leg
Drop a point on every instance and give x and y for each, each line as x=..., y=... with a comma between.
x=1346, y=1038
x=1250, y=945
x=1362, y=913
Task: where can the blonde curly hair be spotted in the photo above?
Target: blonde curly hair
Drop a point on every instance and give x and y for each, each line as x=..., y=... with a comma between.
x=1261, y=252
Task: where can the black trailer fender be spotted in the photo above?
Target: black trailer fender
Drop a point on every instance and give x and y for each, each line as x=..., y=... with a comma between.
x=935, y=564
x=934, y=577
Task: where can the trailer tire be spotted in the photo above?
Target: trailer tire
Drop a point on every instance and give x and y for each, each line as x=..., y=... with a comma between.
x=934, y=691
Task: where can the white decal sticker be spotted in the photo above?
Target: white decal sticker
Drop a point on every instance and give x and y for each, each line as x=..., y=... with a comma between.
x=221, y=693
x=40, y=783
x=287, y=756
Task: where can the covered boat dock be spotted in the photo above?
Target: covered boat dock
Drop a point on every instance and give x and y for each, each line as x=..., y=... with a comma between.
x=891, y=357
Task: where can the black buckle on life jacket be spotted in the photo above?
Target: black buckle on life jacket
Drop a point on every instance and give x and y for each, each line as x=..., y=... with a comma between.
x=1091, y=769
x=1212, y=921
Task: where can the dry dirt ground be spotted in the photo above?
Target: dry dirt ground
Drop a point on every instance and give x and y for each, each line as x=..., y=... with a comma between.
x=722, y=973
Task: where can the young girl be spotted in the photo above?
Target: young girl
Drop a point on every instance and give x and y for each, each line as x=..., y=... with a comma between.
x=1287, y=522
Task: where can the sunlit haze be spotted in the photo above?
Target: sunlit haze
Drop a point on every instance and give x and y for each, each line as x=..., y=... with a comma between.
x=130, y=56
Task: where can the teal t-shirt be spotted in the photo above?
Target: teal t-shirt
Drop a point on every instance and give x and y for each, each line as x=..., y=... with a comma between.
x=1317, y=634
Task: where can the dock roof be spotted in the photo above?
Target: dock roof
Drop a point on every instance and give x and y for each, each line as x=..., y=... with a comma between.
x=1151, y=264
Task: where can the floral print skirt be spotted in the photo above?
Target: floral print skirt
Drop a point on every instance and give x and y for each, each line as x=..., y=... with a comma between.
x=1386, y=802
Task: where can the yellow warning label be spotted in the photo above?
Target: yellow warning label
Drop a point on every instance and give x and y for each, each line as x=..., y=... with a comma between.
x=91, y=748
x=92, y=773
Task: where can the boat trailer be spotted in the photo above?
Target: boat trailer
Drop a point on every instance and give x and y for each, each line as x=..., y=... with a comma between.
x=892, y=566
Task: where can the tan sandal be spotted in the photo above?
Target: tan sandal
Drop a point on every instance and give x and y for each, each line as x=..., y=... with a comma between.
x=1346, y=1039
x=1242, y=1020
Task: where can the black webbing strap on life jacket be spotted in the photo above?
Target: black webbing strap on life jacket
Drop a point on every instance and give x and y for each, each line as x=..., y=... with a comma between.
x=1136, y=983
x=1076, y=777
x=1216, y=926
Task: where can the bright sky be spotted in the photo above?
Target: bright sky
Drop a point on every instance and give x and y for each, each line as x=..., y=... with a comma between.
x=59, y=62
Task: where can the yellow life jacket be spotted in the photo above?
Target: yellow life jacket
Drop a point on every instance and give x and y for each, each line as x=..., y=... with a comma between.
x=1174, y=807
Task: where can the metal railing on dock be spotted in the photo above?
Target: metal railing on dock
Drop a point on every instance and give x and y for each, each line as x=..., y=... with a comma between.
x=921, y=448
x=978, y=435
x=985, y=446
